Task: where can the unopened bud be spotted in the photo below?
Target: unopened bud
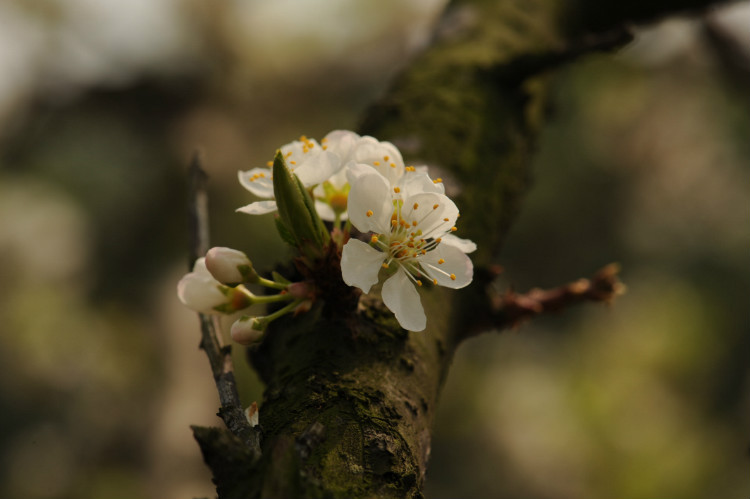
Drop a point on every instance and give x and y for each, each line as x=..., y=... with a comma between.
x=246, y=330
x=230, y=266
x=202, y=293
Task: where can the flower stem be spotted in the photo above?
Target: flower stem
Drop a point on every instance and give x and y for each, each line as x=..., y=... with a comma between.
x=270, y=284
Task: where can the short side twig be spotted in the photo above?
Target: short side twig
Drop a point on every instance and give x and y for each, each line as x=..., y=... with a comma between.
x=219, y=355
x=511, y=309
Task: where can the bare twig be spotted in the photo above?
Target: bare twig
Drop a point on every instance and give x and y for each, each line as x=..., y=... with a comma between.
x=511, y=309
x=219, y=355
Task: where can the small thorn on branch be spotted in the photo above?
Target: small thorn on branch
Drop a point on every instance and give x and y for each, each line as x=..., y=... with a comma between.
x=511, y=308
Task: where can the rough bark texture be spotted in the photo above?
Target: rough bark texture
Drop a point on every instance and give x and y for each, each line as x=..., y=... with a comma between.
x=351, y=396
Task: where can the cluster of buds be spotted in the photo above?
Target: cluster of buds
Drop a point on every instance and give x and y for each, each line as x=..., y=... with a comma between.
x=217, y=285
x=404, y=233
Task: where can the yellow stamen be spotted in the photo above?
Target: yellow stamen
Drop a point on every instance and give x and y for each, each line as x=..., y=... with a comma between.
x=385, y=265
x=441, y=261
x=437, y=181
x=374, y=239
x=453, y=277
x=434, y=281
x=416, y=205
x=396, y=190
x=385, y=158
x=393, y=165
x=369, y=213
x=325, y=148
x=293, y=162
x=419, y=283
x=376, y=163
x=269, y=163
x=454, y=229
x=446, y=219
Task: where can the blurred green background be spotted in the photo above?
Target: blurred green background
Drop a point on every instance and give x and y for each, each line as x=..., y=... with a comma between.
x=645, y=161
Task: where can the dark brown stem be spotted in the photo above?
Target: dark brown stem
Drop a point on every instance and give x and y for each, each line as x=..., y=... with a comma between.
x=511, y=309
x=219, y=355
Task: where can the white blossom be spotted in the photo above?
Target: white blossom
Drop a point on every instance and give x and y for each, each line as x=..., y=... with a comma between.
x=411, y=222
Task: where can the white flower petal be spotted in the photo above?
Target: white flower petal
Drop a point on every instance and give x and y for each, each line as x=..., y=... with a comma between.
x=400, y=295
x=360, y=264
x=434, y=213
x=326, y=212
x=341, y=143
x=416, y=182
x=370, y=151
x=258, y=208
x=317, y=166
x=455, y=263
x=258, y=181
x=370, y=203
x=199, y=291
x=465, y=245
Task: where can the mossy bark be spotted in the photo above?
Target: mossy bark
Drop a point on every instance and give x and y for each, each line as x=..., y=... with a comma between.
x=351, y=396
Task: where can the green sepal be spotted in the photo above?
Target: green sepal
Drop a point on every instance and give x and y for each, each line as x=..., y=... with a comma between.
x=296, y=208
x=284, y=232
x=279, y=278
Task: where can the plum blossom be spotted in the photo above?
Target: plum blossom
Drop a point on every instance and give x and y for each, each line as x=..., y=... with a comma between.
x=411, y=224
x=321, y=166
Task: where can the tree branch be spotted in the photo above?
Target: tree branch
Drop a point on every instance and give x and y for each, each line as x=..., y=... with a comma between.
x=507, y=310
x=219, y=355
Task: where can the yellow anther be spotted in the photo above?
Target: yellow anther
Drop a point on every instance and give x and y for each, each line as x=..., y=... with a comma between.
x=385, y=158
x=439, y=239
x=424, y=252
x=416, y=205
x=396, y=190
x=376, y=163
x=419, y=283
x=437, y=181
x=393, y=165
x=288, y=154
x=262, y=175
x=394, y=222
x=446, y=219
x=453, y=277
x=303, y=138
x=414, y=223
x=435, y=206
x=434, y=281
x=454, y=229
x=374, y=239
x=269, y=163
x=292, y=162
x=325, y=148
x=441, y=261
x=369, y=213
x=324, y=140
x=385, y=265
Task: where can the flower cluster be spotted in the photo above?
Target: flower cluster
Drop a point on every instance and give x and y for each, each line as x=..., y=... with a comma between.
x=404, y=221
